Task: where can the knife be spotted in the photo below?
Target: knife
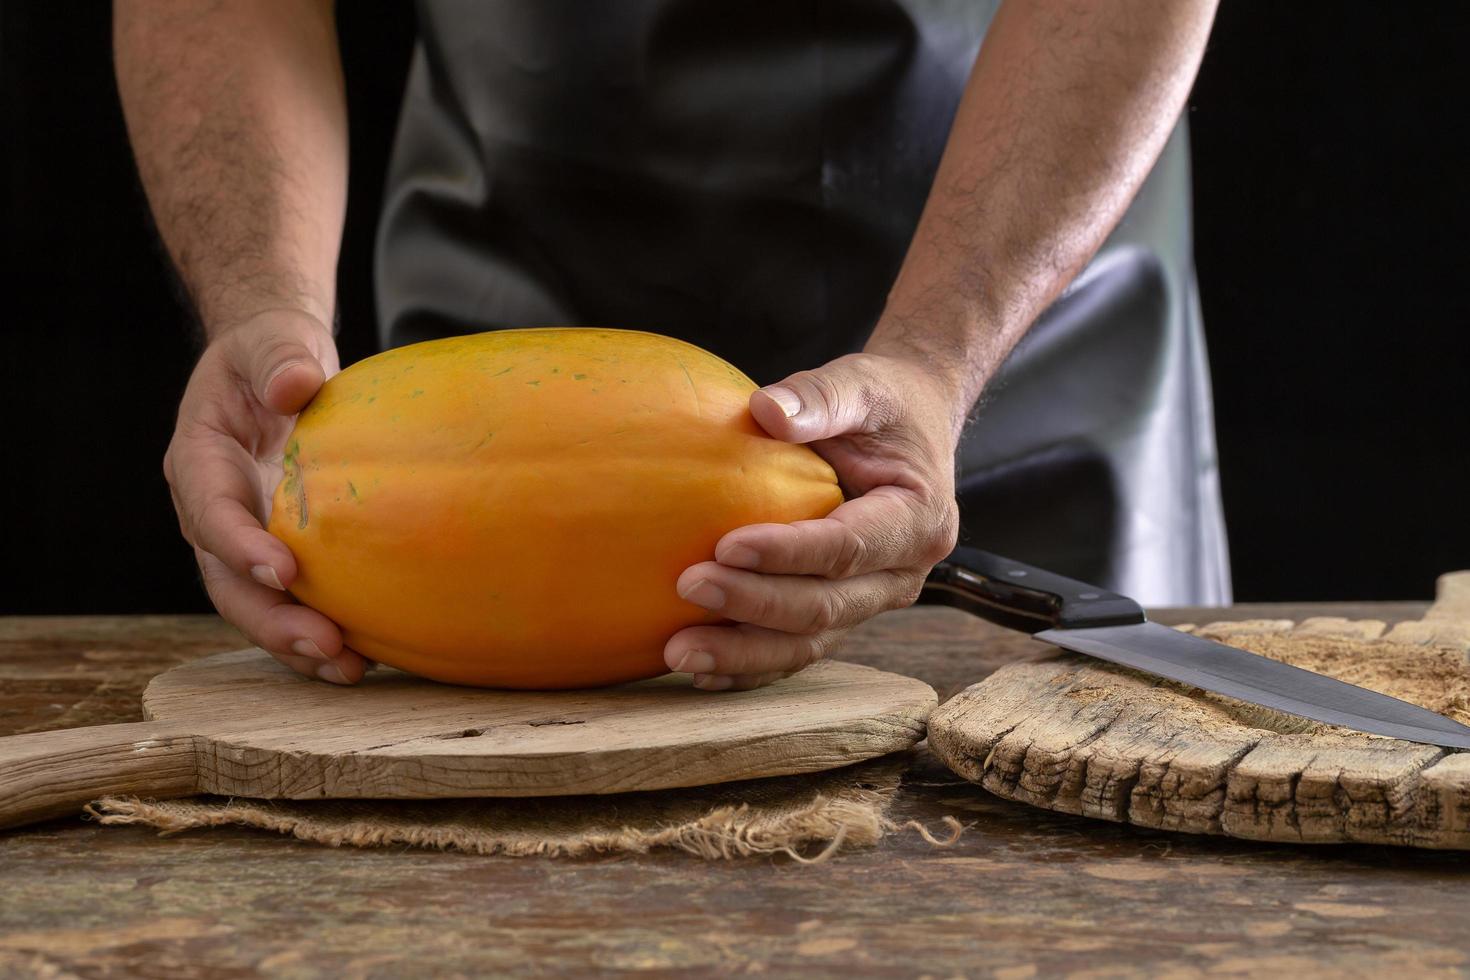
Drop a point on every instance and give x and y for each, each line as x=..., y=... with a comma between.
x=1091, y=620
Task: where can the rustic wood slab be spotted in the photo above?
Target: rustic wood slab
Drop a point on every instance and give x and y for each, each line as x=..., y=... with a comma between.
x=1077, y=735
x=240, y=724
x=1023, y=892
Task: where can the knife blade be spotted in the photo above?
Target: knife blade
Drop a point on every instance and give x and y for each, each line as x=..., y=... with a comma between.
x=1091, y=620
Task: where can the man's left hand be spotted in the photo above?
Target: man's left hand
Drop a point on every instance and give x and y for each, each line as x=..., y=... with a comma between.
x=888, y=427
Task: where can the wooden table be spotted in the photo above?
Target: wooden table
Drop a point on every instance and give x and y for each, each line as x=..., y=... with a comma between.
x=1023, y=893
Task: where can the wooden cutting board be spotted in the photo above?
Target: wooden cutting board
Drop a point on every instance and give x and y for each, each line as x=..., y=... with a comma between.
x=241, y=724
x=1081, y=736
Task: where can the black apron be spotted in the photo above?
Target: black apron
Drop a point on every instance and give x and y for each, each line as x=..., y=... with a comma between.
x=747, y=177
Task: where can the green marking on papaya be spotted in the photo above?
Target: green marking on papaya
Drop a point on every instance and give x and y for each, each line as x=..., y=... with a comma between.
x=416, y=392
x=295, y=487
x=372, y=398
x=481, y=443
x=506, y=371
x=534, y=384
x=579, y=377
x=353, y=490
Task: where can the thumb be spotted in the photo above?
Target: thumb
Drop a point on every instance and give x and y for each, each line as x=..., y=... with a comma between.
x=831, y=400
x=281, y=359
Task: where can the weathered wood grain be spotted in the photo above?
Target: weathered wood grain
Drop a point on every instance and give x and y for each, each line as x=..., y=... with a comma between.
x=44, y=775
x=1081, y=736
x=1024, y=892
x=240, y=724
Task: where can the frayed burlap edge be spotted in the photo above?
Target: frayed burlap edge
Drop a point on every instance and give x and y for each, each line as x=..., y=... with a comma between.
x=806, y=818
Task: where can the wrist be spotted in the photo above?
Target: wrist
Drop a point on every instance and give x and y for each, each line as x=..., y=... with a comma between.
x=240, y=295
x=313, y=326
x=955, y=372
x=274, y=325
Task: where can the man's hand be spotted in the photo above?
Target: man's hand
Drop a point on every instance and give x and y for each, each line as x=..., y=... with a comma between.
x=224, y=463
x=1064, y=113
x=888, y=428
x=238, y=120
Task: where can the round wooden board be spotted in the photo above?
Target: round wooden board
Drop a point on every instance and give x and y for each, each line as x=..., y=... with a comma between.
x=1082, y=736
x=261, y=730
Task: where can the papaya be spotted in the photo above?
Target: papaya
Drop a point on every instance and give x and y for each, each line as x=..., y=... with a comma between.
x=513, y=508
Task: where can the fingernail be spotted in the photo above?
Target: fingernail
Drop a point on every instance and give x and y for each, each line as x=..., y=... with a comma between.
x=331, y=672
x=739, y=556
x=307, y=648
x=712, y=682
x=789, y=401
x=280, y=370
x=696, y=662
x=705, y=593
x=266, y=575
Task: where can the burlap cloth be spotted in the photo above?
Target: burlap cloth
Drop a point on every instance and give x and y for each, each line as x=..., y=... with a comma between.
x=808, y=818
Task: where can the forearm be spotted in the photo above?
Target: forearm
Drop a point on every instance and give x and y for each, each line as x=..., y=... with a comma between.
x=1066, y=110
x=238, y=121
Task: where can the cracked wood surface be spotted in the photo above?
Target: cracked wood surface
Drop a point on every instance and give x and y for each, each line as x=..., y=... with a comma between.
x=240, y=724
x=1024, y=892
x=1081, y=736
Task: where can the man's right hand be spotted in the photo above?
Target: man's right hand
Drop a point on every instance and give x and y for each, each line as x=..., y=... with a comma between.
x=222, y=467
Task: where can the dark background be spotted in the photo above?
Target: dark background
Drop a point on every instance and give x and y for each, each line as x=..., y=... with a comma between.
x=1331, y=198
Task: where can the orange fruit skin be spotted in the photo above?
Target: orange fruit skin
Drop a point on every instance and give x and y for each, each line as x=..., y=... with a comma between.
x=513, y=508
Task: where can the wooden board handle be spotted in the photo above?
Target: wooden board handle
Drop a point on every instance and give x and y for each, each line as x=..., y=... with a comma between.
x=53, y=774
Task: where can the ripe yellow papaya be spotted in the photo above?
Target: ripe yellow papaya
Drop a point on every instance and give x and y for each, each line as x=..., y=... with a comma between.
x=512, y=508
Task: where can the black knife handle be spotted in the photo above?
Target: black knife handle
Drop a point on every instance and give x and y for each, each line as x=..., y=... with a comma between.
x=1021, y=596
